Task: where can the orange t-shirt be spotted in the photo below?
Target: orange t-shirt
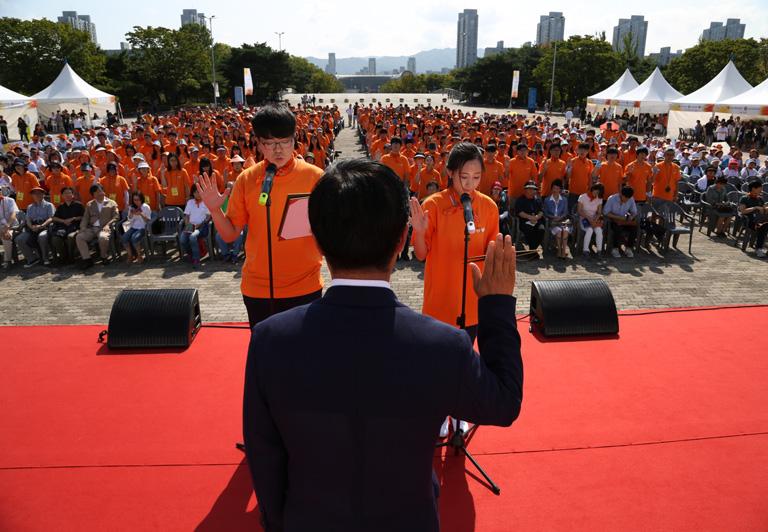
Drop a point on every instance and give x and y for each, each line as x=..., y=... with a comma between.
x=83, y=186
x=398, y=163
x=610, y=174
x=420, y=188
x=637, y=177
x=555, y=170
x=177, y=181
x=666, y=178
x=55, y=184
x=493, y=171
x=115, y=189
x=581, y=176
x=520, y=171
x=445, y=250
x=150, y=187
x=22, y=184
x=296, y=262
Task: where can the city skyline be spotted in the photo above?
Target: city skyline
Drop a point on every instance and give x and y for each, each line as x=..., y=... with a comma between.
x=431, y=25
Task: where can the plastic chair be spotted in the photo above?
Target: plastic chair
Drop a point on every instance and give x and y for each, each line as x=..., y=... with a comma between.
x=170, y=220
x=669, y=212
x=689, y=198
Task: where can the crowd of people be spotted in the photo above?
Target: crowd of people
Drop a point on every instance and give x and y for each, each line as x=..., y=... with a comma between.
x=554, y=184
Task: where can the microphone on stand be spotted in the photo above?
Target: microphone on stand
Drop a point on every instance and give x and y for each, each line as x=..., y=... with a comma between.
x=266, y=187
x=469, y=218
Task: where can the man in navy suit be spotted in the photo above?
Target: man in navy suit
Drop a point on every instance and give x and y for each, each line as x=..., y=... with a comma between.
x=344, y=397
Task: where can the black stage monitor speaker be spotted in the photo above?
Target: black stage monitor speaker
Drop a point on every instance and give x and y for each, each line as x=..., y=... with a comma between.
x=579, y=307
x=154, y=318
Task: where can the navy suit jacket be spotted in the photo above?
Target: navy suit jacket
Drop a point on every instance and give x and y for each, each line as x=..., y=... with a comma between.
x=343, y=404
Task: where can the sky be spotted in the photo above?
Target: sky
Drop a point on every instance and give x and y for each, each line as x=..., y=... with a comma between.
x=397, y=27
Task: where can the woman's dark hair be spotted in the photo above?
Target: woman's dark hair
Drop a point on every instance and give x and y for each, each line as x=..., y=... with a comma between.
x=172, y=155
x=139, y=194
x=461, y=154
x=341, y=209
x=205, y=162
x=599, y=188
x=274, y=121
x=193, y=190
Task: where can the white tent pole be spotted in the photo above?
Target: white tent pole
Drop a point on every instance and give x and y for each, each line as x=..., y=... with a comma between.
x=88, y=104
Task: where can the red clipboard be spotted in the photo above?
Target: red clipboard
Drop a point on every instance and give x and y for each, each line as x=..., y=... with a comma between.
x=295, y=220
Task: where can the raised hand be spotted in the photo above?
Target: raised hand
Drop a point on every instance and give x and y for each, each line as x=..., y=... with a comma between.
x=419, y=218
x=498, y=276
x=209, y=192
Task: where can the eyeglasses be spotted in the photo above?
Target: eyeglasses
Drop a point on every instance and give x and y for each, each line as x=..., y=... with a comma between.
x=272, y=144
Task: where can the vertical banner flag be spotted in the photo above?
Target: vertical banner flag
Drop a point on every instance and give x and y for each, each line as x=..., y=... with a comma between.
x=247, y=82
x=515, y=83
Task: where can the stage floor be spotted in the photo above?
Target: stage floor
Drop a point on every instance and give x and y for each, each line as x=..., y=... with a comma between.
x=662, y=428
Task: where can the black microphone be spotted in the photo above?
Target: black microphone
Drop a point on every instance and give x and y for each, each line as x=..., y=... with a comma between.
x=469, y=218
x=266, y=187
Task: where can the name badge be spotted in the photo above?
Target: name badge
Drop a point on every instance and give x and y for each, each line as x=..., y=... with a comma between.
x=174, y=191
x=20, y=196
x=112, y=196
x=56, y=198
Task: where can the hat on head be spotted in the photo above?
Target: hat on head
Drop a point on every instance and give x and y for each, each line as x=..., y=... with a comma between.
x=142, y=164
x=138, y=155
x=531, y=185
x=37, y=190
x=497, y=184
x=237, y=159
x=733, y=162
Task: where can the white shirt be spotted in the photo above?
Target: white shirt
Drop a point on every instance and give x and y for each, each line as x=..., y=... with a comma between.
x=721, y=133
x=197, y=213
x=7, y=208
x=136, y=221
x=360, y=282
x=589, y=206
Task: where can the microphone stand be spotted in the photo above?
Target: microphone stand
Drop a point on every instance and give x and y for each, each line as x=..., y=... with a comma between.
x=458, y=441
x=268, y=205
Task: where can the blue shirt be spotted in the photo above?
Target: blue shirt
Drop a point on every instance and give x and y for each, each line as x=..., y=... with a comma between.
x=555, y=209
x=617, y=208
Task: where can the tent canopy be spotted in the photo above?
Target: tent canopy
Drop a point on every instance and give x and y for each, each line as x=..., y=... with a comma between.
x=14, y=106
x=752, y=102
x=651, y=96
x=68, y=87
x=9, y=98
x=728, y=83
x=624, y=84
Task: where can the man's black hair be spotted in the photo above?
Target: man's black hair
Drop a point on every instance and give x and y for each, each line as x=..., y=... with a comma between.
x=557, y=183
x=583, y=146
x=642, y=149
x=755, y=184
x=612, y=150
x=461, y=154
x=274, y=121
x=95, y=188
x=396, y=140
x=627, y=191
x=358, y=212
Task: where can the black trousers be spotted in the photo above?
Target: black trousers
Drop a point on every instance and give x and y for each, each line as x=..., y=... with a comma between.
x=534, y=235
x=259, y=308
x=623, y=234
x=760, y=234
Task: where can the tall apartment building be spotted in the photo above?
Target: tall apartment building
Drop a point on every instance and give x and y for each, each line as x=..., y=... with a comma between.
x=717, y=31
x=550, y=28
x=79, y=22
x=466, y=38
x=191, y=16
x=637, y=27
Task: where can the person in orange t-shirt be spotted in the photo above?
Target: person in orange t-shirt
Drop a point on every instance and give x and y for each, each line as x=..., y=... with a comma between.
x=148, y=185
x=296, y=261
x=610, y=173
x=438, y=237
x=396, y=161
x=23, y=182
x=493, y=171
x=85, y=182
x=578, y=173
x=551, y=169
x=56, y=181
x=116, y=187
x=521, y=170
x=666, y=174
x=176, y=182
x=638, y=174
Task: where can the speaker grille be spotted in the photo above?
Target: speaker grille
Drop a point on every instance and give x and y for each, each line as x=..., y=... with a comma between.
x=577, y=307
x=154, y=318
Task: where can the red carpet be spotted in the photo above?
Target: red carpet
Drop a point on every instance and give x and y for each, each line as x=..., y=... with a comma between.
x=664, y=428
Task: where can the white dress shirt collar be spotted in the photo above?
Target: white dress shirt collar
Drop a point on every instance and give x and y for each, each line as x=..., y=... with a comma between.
x=360, y=282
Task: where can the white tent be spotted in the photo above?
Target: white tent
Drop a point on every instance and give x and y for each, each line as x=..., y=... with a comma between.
x=753, y=102
x=14, y=105
x=701, y=104
x=651, y=96
x=70, y=91
x=605, y=97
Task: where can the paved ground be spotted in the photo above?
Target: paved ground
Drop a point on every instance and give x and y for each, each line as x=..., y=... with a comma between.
x=717, y=274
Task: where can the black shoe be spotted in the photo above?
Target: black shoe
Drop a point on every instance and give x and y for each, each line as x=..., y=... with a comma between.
x=32, y=263
x=84, y=264
x=106, y=261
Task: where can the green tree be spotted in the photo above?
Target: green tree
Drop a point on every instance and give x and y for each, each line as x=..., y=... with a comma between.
x=306, y=77
x=33, y=53
x=585, y=65
x=698, y=65
x=270, y=70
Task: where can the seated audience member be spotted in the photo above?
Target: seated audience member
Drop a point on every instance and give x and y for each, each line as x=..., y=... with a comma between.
x=556, y=211
x=531, y=213
x=98, y=223
x=753, y=208
x=708, y=179
x=139, y=216
x=230, y=251
x=499, y=195
x=750, y=171
x=622, y=213
x=196, y=226
x=717, y=197
x=33, y=241
x=8, y=212
x=590, y=208
x=66, y=222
